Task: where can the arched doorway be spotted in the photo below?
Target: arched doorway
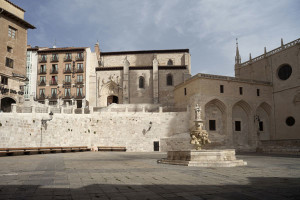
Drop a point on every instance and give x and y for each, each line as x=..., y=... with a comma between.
x=6, y=104
x=112, y=99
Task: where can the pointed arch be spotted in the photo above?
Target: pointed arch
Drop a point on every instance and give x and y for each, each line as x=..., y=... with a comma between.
x=218, y=103
x=141, y=82
x=244, y=105
x=170, y=62
x=266, y=107
x=169, y=79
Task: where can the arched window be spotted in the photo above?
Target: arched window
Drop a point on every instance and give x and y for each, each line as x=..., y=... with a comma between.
x=169, y=79
x=170, y=62
x=141, y=82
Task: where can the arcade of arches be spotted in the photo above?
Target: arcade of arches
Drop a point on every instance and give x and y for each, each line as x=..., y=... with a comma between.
x=6, y=104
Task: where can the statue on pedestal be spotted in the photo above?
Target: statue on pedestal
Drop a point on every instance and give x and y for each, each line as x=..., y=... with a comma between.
x=199, y=136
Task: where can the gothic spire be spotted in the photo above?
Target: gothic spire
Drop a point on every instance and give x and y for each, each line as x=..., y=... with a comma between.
x=237, y=54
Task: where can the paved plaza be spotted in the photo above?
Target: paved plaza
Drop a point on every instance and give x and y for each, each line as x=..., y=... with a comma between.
x=119, y=175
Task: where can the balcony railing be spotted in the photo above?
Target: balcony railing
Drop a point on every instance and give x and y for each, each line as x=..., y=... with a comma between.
x=67, y=97
x=54, y=59
x=41, y=97
x=80, y=70
x=68, y=58
x=67, y=71
x=41, y=83
x=79, y=96
x=79, y=58
x=43, y=72
x=43, y=60
x=67, y=82
x=79, y=81
x=53, y=71
x=53, y=82
x=53, y=96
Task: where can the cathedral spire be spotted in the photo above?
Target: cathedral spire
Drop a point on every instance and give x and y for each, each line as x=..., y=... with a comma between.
x=237, y=54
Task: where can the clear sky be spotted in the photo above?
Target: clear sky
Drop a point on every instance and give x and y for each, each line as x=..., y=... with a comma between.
x=207, y=27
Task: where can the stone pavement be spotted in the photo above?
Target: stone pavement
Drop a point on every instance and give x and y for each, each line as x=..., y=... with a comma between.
x=119, y=175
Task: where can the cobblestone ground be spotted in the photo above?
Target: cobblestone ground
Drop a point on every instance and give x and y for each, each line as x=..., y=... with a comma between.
x=112, y=175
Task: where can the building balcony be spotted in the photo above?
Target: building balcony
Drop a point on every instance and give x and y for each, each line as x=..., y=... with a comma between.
x=79, y=82
x=54, y=71
x=79, y=96
x=41, y=83
x=53, y=82
x=67, y=97
x=67, y=71
x=42, y=60
x=41, y=97
x=43, y=72
x=79, y=58
x=66, y=82
x=54, y=59
x=79, y=70
x=53, y=96
x=68, y=58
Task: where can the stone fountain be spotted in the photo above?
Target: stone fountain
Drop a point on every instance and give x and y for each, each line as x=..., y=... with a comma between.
x=200, y=157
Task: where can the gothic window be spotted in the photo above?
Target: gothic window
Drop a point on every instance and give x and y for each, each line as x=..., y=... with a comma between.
x=170, y=62
x=169, y=79
x=141, y=82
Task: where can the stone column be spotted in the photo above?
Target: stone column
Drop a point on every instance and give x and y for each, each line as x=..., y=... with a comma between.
x=32, y=109
x=14, y=108
x=126, y=81
x=73, y=110
x=155, y=81
x=229, y=124
x=62, y=110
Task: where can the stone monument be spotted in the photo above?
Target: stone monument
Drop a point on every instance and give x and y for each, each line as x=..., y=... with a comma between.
x=200, y=157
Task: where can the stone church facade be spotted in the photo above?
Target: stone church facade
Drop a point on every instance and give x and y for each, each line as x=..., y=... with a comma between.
x=138, y=77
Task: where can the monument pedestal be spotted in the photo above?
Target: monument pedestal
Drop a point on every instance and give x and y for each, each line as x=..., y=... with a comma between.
x=203, y=158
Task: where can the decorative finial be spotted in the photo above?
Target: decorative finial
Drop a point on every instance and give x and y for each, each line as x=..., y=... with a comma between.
x=250, y=58
x=54, y=46
x=281, y=42
x=265, y=50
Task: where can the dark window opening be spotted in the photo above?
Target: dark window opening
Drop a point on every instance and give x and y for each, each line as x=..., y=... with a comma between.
x=290, y=121
x=185, y=92
x=258, y=92
x=112, y=99
x=284, y=72
x=9, y=49
x=169, y=79
x=212, y=125
x=221, y=88
x=261, y=126
x=9, y=62
x=170, y=62
x=237, y=125
x=241, y=90
x=4, y=80
x=156, y=145
x=141, y=82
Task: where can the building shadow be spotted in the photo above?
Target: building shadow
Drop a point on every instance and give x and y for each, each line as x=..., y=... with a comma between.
x=258, y=188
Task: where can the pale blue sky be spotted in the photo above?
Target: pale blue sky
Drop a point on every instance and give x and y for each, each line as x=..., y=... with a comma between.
x=207, y=27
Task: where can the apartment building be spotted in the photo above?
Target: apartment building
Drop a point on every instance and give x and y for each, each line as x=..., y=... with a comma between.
x=61, y=75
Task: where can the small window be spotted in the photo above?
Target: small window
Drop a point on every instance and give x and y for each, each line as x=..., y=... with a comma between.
x=237, y=125
x=241, y=90
x=261, y=126
x=212, y=125
x=9, y=62
x=290, y=121
x=170, y=62
x=141, y=82
x=221, y=88
x=156, y=145
x=9, y=49
x=169, y=79
x=258, y=92
x=12, y=32
x=184, y=91
x=4, y=80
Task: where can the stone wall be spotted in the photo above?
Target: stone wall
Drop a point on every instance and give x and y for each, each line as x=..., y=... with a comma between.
x=135, y=130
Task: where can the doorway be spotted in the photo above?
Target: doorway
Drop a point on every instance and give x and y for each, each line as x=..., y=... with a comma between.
x=112, y=99
x=156, y=145
x=6, y=104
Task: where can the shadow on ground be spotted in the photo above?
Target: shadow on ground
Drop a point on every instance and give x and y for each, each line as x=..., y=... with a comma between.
x=258, y=188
